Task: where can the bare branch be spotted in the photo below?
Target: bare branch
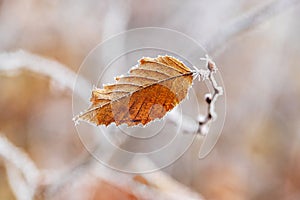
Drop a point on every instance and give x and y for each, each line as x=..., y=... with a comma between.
x=18, y=185
x=247, y=21
x=204, y=123
x=15, y=61
x=187, y=125
x=17, y=161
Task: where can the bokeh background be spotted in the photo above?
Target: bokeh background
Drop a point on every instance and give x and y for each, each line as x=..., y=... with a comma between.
x=258, y=153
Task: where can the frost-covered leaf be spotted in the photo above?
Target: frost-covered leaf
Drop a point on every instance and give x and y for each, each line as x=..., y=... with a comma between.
x=146, y=93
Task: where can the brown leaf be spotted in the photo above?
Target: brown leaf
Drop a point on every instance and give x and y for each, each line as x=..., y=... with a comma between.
x=146, y=93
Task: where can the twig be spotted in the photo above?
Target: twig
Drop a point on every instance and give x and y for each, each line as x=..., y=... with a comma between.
x=187, y=125
x=247, y=21
x=15, y=61
x=204, y=123
x=17, y=161
x=18, y=185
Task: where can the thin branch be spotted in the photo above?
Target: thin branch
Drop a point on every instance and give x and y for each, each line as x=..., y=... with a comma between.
x=186, y=123
x=246, y=22
x=17, y=161
x=22, y=60
x=204, y=123
x=18, y=185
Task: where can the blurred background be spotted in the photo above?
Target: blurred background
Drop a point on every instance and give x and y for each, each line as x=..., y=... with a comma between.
x=258, y=153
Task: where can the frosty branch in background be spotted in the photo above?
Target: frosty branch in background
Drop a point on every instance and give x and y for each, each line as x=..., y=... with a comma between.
x=23, y=175
x=13, y=62
x=246, y=22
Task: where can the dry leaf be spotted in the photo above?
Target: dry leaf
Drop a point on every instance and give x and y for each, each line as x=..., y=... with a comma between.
x=146, y=93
